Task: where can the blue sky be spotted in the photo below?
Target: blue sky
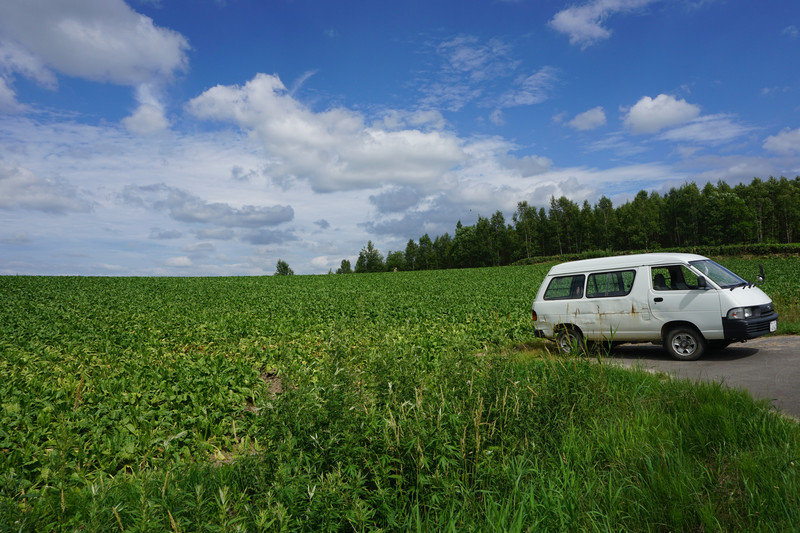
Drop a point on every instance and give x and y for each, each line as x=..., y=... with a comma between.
x=166, y=137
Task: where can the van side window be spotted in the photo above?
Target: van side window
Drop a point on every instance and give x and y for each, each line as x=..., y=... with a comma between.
x=565, y=287
x=673, y=278
x=610, y=284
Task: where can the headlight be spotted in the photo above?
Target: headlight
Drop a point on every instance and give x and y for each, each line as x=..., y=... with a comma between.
x=739, y=313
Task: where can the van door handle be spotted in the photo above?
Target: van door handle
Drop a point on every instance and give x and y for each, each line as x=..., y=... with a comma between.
x=659, y=299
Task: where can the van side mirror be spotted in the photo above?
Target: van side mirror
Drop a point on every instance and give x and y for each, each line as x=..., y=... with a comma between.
x=702, y=283
x=760, y=277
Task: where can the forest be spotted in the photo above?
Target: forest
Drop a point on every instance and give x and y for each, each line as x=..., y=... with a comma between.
x=762, y=212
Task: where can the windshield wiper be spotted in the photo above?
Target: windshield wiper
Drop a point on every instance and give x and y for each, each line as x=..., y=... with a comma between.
x=742, y=284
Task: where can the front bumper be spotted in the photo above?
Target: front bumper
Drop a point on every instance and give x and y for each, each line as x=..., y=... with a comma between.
x=749, y=328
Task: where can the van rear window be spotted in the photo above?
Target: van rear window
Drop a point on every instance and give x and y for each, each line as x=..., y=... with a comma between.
x=610, y=284
x=565, y=287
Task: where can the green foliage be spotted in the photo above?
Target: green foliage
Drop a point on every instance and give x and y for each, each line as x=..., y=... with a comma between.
x=282, y=269
x=373, y=402
x=369, y=260
x=395, y=261
x=762, y=214
x=729, y=250
x=344, y=268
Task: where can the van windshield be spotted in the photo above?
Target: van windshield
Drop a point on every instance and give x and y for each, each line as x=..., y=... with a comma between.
x=718, y=273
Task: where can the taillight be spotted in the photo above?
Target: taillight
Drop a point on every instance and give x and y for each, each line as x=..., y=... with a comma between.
x=533, y=315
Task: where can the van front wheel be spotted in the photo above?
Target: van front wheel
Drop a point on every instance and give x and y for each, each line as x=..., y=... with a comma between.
x=685, y=343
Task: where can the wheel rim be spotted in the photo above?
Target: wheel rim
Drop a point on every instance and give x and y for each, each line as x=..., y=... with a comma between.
x=684, y=344
x=567, y=342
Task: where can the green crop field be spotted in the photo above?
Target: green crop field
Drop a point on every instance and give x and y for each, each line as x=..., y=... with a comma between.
x=361, y=402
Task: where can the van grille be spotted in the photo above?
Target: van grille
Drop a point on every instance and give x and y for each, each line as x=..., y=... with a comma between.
x=758, y=329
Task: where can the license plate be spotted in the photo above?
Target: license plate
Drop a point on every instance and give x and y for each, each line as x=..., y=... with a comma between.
x=773, y=326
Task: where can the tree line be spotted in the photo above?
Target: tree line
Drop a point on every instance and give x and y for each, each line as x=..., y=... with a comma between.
x=764, y=211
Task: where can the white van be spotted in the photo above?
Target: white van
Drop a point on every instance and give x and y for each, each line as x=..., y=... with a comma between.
x=686, y=302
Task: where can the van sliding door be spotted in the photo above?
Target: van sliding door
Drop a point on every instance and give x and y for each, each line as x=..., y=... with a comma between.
x=618, y=310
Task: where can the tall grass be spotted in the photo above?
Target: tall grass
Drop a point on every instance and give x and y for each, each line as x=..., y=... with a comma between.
x=498, y=443
x=384, y=402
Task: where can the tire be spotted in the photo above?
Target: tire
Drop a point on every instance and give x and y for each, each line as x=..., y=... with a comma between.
x=570, y=340
x=685, y=343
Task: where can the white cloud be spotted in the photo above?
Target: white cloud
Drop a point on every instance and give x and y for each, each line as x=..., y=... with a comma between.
x=770, y=91
x=713, y=129
x=532, y=89
x=197, y=220
x=481, y=72
x=218, y=234
x=186, y=207
x=650, y=115
x=323, y=262
x=791, y=31
x=395, y=199
x=584, y=24
x=199, y=248
x=497, y=118
x=732, y=169
x=787, y=142
x=394, y=119
x=589, y=120
x=99, y=40
x=149, y=116
x=269, y=236
x=450, y=95
x=8, y=99
x=620, y=144
x=333, y=149
x=530, y=165
x=426, y=118
x=22, y=189
x=179, y=262
x=687, y=151
x=680, y=121
x=15, y=58
x=468, y=70
x=479, y=61
x=161, y=234
x=146, y=119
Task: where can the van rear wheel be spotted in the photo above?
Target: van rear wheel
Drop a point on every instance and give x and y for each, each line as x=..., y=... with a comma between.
x=570, y=340
x=685, y=343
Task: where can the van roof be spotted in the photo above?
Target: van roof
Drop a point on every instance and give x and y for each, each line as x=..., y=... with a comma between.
x=623, y=261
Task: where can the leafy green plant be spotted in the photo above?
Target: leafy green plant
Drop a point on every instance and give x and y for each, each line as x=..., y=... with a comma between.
x=382, y=401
